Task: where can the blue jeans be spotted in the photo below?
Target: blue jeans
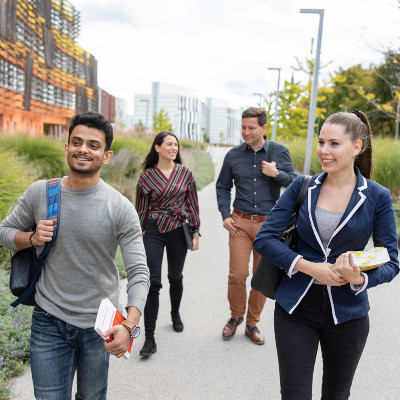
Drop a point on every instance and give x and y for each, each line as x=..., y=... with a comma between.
x=58, y=350
x=297, y=337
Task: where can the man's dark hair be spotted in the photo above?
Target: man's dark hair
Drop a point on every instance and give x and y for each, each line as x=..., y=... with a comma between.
x=258, y=113
x=93, y=120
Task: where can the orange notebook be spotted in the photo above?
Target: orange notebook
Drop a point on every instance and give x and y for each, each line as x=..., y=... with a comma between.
x=108, y=316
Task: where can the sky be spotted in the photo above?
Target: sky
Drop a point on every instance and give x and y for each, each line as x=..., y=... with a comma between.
x=223, y=48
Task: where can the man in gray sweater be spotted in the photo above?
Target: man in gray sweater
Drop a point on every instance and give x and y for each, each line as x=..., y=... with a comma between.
x=80, y=270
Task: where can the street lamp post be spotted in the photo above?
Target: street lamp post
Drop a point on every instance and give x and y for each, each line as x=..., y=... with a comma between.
x=258, y=94
x=396, y=133
x=147, y=109
x=276, y=102
x=314, y=90
x=344, y=107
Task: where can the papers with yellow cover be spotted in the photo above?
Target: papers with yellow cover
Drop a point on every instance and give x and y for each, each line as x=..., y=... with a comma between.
x=370, y=259
x=108, y=316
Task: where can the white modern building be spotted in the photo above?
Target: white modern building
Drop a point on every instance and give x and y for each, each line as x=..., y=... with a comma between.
x=223, y=123
x=121, y=114
x=190, y=117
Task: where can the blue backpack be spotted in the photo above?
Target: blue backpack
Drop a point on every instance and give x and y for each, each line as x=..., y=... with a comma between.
x=26, y=266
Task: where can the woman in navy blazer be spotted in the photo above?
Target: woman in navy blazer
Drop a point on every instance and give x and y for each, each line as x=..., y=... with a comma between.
x=340, y=213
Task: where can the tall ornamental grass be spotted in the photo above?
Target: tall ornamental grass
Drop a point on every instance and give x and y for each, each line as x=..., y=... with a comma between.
x=297, y=149
x=45, y=155
x=201, y=164
x=16, y=174
x=386, y=156
x=140, y=144
x=385, y=161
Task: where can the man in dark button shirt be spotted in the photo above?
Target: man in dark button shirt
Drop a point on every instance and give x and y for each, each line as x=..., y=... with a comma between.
x=257, y=183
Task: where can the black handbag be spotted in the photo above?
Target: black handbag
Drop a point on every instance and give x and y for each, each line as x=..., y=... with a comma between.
x=26, y=266
x=267, y=276
x=187, y=230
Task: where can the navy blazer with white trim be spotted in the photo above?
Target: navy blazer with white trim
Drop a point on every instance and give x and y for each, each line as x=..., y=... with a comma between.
x=369, y=212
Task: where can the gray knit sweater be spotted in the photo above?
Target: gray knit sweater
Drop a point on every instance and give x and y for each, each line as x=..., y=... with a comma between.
x=80, y=270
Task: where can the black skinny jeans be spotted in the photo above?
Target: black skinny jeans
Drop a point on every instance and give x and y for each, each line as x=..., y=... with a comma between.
x=297, y=336
x=154, y=243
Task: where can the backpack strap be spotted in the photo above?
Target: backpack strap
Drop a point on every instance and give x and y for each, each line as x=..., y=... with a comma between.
x=53, y=211
x=53, y=189
x=53, y=199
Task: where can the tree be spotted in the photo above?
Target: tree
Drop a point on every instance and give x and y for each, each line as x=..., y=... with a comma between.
x=119, y=118
x=293, y=111
x=161, y=121
x=294, y=102
x=345, y=90
x=383, y=92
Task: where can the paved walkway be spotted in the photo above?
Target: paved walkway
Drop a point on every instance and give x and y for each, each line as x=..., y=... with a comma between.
x=198, y=364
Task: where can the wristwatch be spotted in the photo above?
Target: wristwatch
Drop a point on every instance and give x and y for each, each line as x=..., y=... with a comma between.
x=134, y=330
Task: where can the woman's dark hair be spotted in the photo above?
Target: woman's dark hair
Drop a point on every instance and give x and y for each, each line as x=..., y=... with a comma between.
x=357, y=126
x=152, y=158
x=93, y=120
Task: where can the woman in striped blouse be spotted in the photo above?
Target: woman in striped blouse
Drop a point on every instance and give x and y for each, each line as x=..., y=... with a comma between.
x=166, y=197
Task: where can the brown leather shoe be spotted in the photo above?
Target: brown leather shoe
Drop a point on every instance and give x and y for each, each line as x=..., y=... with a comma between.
x=254, y=334
x=230, y=328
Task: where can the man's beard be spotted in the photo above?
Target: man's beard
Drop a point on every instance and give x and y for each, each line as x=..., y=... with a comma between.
x=89, y=171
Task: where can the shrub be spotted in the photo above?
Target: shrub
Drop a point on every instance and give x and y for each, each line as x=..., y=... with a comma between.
x=14, y=336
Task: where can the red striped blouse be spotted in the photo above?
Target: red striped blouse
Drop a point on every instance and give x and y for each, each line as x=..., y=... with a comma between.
x=169, y=201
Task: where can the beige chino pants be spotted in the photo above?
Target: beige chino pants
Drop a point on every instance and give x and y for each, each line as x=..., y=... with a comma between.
x=240, y=248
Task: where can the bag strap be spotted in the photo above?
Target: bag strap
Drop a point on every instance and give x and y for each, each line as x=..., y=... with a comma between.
x=302, y=193
x=53, y=188
x=271, y=145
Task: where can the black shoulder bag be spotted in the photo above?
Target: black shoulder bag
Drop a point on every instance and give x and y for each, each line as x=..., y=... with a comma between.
x=267, y=276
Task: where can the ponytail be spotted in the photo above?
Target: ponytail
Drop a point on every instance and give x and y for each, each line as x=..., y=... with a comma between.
x=358, y=127
x=363, y=160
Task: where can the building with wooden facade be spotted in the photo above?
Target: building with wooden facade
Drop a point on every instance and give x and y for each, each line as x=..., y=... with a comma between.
x=45, y=76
